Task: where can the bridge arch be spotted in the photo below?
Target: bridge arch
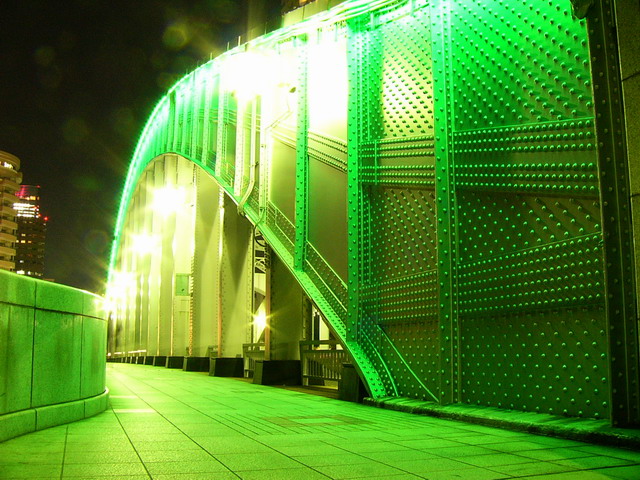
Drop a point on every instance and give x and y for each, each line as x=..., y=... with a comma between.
x=189, y=278
x=252, y=143
x=430, y=173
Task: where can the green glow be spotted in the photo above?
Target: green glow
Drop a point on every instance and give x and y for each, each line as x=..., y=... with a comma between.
x=62, y=332
x=457, y=140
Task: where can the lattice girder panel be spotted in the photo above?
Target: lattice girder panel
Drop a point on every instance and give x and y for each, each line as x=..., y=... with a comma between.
x=520, y=62
x=529, y=249
x=325, y=202
x=414, y=357
x=281, y=227
x=562, y=274
x=227, y=139
x=400, y=238
x=327, y=281
x=429, y=171
x=549, y=362
x=399, y=64
x=408, y=299
x=399, y=292
x=556, y=158
x=281, y=129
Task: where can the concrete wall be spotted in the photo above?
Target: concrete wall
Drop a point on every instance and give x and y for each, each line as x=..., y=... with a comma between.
x=52, y=355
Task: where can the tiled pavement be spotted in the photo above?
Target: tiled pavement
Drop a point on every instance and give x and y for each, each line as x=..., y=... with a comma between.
x=170, y=424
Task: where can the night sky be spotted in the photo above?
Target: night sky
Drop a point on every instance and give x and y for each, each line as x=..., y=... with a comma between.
x=78, y=80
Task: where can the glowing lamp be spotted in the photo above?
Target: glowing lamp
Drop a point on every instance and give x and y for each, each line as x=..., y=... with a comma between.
x=248, y=74
x=144, y=244
x=168, y=200
x=119, y=286
x=260, y=321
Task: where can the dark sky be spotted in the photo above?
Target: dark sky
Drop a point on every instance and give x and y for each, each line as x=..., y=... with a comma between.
x=78, y=80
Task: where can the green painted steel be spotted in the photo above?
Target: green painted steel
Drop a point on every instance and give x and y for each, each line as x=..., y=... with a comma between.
x=430, y=173
x=621, y=300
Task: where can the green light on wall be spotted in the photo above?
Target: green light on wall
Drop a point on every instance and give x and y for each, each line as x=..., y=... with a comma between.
x=459, y=139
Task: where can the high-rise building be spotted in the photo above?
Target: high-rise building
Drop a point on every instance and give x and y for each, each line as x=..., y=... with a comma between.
x=32, y=227
x=10, y=178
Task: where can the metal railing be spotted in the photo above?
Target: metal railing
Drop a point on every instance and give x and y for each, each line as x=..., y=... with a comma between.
x=321, y=360
x=250, y=353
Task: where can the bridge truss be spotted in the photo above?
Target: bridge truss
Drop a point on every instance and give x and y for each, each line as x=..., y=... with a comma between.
x=431, y=174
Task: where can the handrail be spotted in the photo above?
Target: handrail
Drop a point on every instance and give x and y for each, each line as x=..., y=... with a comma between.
x=250, y=353
x=322, y=363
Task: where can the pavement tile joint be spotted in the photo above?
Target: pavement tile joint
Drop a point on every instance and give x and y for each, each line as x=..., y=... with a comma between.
x=170, y=424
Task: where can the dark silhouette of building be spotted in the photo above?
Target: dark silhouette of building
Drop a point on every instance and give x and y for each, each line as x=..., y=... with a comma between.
x=32, y=227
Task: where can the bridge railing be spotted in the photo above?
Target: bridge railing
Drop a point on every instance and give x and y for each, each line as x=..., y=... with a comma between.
x=321, y=360
x=250, y=353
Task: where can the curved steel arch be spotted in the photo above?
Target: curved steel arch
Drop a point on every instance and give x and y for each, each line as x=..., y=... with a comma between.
x=217, y=120
x=428, y=170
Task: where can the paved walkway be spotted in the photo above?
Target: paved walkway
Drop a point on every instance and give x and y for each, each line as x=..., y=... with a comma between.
x=170, y=424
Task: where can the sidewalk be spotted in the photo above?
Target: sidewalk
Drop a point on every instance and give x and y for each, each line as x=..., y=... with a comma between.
x=170, y=424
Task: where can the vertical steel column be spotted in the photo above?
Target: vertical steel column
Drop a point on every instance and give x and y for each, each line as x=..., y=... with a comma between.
x=206, y=262
x=149, y=261
x=302, y=161
x=156, y=181
x=354, y=195
x=206, y=120
x=443, y=102
x=219, y=265
x=221, y=147
x=172, y=123
x=267, y=303
x=184, y=127
x=239, y=160
x=137, y=259
x=616, y=213
x=126, y=268
x=167, y=264
x=196, y=103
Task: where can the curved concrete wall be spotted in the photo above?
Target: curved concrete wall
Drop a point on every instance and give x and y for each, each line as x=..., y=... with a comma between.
x=52, y=355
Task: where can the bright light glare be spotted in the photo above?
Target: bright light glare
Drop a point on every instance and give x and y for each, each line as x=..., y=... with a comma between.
x=144, y=244
x=249, y=74
x=120, y=285
x=260, y=320
x=168, y=200
x=328, y=81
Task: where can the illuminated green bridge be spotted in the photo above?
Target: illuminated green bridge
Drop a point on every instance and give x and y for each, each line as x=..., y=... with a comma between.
x=435, y=192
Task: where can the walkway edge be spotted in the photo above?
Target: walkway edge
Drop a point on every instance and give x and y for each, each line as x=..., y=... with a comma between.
x=579, y=429
x=33, y=419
